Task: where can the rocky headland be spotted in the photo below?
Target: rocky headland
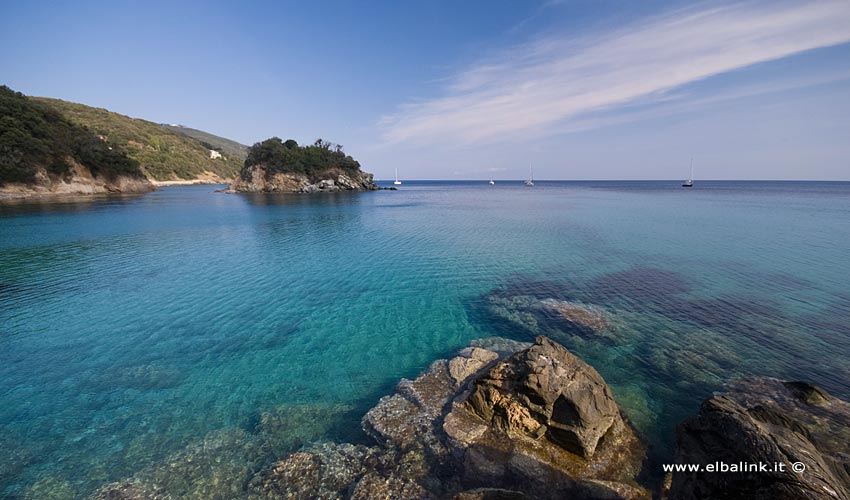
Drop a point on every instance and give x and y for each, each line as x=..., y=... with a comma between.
x=276, y=166
x=77, y=180
x=510, y=420
x=258, y=179
x=42, y=152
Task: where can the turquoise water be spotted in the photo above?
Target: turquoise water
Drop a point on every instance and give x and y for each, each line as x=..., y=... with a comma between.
x=132, y=329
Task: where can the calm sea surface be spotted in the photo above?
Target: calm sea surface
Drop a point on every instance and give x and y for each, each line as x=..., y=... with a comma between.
x=188, y=337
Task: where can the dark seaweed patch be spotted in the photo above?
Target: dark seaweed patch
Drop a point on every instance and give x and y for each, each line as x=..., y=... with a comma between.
x=831, y=325
x=785, y=281
x=730, y=312
x=648, y=286
x=774, y=281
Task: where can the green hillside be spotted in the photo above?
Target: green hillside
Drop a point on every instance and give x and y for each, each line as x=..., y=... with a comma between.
x=162, y=153
x=36, y=139
x=210, y=141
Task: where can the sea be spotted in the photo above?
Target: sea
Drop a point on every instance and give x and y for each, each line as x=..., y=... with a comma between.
x=189, y=337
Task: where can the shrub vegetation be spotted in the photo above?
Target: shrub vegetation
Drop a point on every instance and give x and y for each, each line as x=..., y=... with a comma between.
x=35, y=136
x=278, y=156
x=162, y=154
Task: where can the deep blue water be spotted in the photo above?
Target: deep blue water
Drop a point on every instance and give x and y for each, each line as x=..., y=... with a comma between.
x=132, y=329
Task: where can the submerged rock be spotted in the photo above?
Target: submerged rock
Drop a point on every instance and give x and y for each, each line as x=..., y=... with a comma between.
x=129, y=490
x=554, y=317
x=764, y=420
x=51, y=488
x=501, y=346
x=324, y=471
x=582, y=316
x=285, y=428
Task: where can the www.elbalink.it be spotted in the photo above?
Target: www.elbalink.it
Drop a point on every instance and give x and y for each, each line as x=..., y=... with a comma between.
x=798, y=467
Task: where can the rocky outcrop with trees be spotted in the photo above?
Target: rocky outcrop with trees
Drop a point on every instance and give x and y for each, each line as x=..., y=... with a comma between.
x=274, y=165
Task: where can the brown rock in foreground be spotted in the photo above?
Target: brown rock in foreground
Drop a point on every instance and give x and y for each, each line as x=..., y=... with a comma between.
x=540, y=423
x=765, y=420
x=545, y=390
x=544, y=423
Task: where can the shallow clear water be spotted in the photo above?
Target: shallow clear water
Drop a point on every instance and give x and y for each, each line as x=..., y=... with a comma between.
x=133, y=328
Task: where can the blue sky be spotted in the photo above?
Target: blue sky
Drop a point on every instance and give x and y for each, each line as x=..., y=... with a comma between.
x=584, y=89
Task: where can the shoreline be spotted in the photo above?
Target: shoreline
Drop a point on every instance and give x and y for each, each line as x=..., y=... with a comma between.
x=188, y=182
x=24, y=195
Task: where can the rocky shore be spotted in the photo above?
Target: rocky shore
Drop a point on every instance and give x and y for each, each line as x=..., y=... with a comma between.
x=509, y=420
x=257, y=180
x=79, y=181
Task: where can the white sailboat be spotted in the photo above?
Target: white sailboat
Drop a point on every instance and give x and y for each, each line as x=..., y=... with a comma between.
x=397, y=182
x=530, y=181
x=492, y=182
x=690, y=182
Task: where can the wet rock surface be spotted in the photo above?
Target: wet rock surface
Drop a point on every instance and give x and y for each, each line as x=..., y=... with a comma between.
x=765, y=420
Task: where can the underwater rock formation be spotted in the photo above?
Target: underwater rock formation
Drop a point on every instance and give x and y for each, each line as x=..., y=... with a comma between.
x=554, y=317
x=764, y=420
x=592, y=318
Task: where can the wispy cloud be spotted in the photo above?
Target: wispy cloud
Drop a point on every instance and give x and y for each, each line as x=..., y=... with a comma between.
x=547, y=84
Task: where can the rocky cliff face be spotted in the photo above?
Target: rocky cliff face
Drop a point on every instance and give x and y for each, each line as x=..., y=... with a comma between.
x=79, y=181
x=767, y=421
x=257, y=180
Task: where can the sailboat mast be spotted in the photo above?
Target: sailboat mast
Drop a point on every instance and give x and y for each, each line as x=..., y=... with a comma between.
x=692, y=168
